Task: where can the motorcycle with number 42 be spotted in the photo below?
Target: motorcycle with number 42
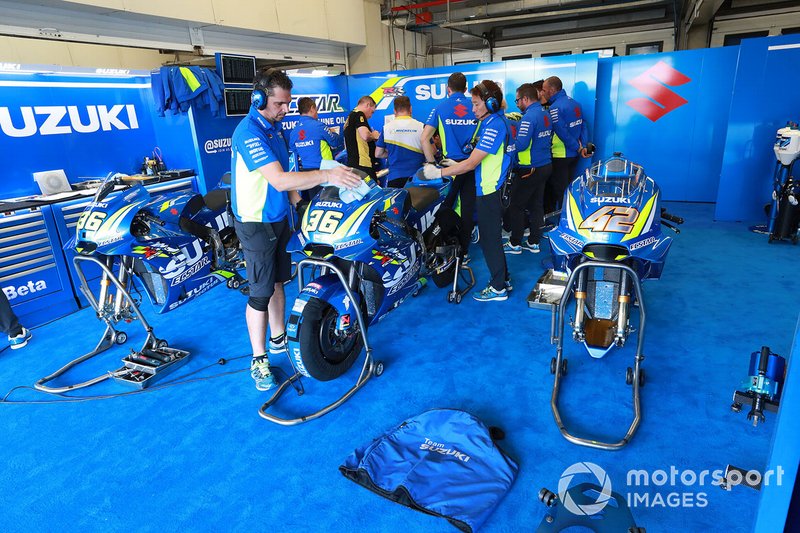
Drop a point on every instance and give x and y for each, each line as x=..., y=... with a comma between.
x=608, y=240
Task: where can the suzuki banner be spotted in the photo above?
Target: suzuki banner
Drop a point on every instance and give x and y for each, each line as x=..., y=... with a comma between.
x=87, y=126
x=426, y=88
x=668, y=112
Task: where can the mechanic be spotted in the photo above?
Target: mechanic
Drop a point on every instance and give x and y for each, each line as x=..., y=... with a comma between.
x=570, y=138
x=400, y=141
x=359, y=137
x=260, y=200
x=456, y=124
x=311, y=140
x=533, y=146
x=491, y=163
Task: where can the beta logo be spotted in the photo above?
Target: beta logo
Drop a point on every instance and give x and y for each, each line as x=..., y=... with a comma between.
x=24, y=290
x=63, y=120
x=654, y=83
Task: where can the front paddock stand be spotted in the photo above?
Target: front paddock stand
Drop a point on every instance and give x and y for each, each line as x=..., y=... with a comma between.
x=634, y=377
x=111, y=335
x=370, y=367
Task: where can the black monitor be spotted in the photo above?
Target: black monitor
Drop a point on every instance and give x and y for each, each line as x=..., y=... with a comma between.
x=237, y=70
x=237, y=102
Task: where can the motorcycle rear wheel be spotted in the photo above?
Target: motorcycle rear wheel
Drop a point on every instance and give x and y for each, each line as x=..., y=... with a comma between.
x=327, y=354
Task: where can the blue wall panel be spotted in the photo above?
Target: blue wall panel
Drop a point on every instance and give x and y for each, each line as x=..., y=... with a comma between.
x=86, y=126
x=427, y=87
x=765, y=97
x=669, y=113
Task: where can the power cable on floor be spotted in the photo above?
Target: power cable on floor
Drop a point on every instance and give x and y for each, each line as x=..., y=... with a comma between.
x=179, y=381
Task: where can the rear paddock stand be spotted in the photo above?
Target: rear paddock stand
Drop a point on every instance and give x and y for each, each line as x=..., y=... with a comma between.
x=463, y=274
x=370, y=367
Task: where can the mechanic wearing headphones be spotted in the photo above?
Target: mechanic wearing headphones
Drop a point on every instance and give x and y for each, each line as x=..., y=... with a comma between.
x=491, y=164
x=260, y=182
x=534, y=168
x=311, y=140
x=456, y=123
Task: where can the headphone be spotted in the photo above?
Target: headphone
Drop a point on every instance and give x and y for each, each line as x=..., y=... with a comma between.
x=261, y=91
x=492, y=105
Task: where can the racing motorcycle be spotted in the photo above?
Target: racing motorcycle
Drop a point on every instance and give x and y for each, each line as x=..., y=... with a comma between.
x=373, y=253
x=173, y=246
x=608, y=240
x=610, y=214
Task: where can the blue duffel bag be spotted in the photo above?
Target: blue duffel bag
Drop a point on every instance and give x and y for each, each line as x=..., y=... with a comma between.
x=443, y=462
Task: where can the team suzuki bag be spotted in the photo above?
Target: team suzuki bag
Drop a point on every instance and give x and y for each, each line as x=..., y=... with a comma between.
x=442, y=462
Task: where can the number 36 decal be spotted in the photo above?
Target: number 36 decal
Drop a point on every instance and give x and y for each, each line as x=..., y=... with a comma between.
x=323, y=221
x=91, y=220
x=615, y=219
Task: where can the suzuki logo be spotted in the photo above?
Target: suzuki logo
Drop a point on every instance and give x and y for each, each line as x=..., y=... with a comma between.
x=302, y=135
x=89, y=119
x=654, y=82
x=460, y=110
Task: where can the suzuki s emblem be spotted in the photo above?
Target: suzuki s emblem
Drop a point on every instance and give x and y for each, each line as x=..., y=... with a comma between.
x=460, y=110
x=655, y=83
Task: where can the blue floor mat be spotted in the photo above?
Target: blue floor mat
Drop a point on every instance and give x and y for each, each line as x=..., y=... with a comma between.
x=198, y=457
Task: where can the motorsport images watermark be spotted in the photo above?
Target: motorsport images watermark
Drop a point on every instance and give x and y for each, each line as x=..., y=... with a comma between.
x=671, y=487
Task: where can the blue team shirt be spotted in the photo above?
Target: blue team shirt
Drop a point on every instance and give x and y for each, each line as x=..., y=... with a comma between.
x=567, y=118
x=456, y=124
x=534, y=137
x=255, y=143
x=401, y=138
x=493, y=137
x=312, y=142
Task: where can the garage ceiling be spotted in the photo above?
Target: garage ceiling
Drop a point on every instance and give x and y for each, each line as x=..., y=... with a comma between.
x=477, y=24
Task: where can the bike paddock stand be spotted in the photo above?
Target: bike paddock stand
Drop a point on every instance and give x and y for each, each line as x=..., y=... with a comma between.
x=369, y=368
x=110, y=313
x=462, y=275
x=588, y=506
x=634, y=376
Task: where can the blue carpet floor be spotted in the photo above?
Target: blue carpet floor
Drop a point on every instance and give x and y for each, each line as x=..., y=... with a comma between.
x=198, y=457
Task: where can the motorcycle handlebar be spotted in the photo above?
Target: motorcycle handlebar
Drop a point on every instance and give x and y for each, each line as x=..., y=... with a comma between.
x=671, y=218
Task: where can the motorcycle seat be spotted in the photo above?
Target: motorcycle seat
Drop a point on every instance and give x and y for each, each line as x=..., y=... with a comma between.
x=216, y=199
x=422, y=197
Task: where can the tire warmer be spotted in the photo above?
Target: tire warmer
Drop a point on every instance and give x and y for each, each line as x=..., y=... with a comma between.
x=442, y=462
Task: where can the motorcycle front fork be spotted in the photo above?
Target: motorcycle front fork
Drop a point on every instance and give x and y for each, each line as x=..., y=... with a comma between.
x=114, y=306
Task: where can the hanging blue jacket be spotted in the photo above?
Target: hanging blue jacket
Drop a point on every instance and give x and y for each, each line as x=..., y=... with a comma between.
x=442, y=462
x=177, y=88
x=534, y=138
x=568, y=124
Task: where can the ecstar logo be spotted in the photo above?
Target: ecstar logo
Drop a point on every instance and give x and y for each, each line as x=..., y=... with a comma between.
x=326, y=103
x=654, y=83
x=62, y=120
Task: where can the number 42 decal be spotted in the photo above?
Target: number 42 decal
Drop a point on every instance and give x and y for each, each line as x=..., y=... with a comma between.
x=615, y=219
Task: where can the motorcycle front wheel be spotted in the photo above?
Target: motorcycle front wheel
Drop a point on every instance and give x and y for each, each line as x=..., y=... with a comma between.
x=326, y=352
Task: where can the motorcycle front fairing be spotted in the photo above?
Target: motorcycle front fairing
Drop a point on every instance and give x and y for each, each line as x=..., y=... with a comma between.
x=631, y=222
x=173, y=265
